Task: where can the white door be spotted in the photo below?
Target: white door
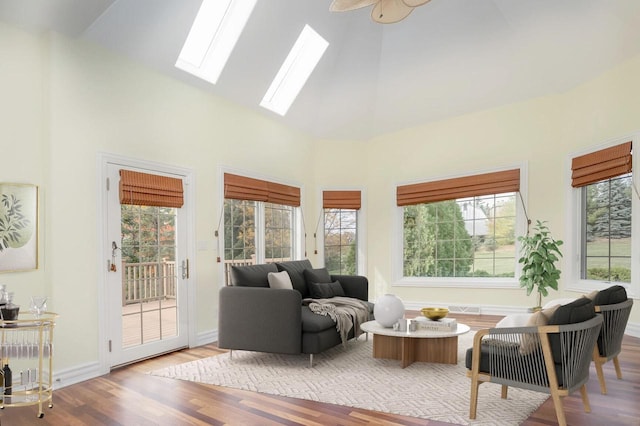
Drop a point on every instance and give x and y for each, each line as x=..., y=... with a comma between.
x=147, y=275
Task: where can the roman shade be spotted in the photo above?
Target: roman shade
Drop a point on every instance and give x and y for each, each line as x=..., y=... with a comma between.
x=245, y=188
x=451, y=189
x=144, y=189
x=600, y=165
x=341, y=200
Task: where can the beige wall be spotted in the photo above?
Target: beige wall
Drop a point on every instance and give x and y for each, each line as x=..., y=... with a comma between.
x=64, y=102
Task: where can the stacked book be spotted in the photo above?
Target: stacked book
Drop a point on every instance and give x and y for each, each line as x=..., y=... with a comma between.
x=444, y=324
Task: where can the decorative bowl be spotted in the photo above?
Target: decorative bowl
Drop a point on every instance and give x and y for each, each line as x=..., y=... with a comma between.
x=434, y=314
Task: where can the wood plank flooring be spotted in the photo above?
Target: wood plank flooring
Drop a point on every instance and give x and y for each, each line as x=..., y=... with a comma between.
x=128, y=396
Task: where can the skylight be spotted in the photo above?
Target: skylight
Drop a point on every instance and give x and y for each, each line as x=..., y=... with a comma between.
x=213, y=36
x=295, y=70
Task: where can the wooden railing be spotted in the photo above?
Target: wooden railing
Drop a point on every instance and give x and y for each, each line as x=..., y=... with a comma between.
x=143, y=282
x=228, y=263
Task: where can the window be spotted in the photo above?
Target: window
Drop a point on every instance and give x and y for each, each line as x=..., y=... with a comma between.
x=341, y=241
x=606, y=230
x=340, y=211
x=606, y=209
x=260, y=221
x=460, y=231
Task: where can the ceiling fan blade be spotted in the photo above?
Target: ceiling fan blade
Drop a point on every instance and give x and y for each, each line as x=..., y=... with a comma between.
x=390, y=11
x=346, y=5
x=415, y=3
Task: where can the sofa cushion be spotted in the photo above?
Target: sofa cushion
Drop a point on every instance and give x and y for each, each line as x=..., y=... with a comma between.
x=325, y=290
x=611, y=296
x=279, y=280
x=295, y=269
x=315, y=323
x=320, y=275
x=252, y=275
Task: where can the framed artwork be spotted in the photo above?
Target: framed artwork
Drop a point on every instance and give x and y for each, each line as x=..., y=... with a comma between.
x=18, y=227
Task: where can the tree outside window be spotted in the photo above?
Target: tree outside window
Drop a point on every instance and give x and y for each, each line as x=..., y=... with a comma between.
x=340, y=241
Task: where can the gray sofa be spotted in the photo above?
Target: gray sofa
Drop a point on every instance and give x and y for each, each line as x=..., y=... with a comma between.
x=254, y=317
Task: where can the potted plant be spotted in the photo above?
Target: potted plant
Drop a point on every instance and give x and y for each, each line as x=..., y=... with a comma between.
x=540, y=252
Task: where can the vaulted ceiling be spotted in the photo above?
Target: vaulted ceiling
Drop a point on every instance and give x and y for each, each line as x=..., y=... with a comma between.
x=449, y=57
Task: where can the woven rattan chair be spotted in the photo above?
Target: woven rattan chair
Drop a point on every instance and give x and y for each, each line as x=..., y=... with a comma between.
x=610, y=339
x=553, y=359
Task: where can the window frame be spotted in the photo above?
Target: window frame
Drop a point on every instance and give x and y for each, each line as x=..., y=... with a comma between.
x=399, y=280
x=573, y=244
x=298, y=240
x=361, y=238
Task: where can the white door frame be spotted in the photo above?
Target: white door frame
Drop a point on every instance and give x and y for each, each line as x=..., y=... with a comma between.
x=104, y=252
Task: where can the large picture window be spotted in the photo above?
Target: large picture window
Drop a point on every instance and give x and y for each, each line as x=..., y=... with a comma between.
x=463, y=228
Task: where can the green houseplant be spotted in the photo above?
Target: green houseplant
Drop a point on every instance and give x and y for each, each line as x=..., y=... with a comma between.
x=540, y=252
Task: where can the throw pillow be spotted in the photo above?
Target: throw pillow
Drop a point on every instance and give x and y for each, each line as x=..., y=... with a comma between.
x=592, y=295
x=320, y=290
x=319, y=275
x=280, y=280
x=337, y=289
x=531, y=341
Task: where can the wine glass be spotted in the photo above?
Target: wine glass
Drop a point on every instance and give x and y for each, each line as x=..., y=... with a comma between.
x=38, y=305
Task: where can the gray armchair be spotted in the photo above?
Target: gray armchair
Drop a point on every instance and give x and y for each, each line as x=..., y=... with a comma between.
x=554, y=359
x=609, y=344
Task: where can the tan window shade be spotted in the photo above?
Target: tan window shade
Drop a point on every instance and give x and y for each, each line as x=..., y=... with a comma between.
x=451, y=189
x=601, y=165
x=341, y=200
x=244, y=188
x=143, y=189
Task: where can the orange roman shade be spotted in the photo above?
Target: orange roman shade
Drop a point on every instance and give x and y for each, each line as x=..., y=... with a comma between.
x=341, y=200
x=601, y=165
x=451, y=189
x=144, y=189
x=244, y=188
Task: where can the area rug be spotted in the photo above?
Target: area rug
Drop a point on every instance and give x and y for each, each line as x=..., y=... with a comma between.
x=350, y=376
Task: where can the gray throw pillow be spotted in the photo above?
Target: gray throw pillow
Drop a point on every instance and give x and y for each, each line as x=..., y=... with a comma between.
x=325, y=290
x=337, y=289
x=319, y=275
x=280, y=280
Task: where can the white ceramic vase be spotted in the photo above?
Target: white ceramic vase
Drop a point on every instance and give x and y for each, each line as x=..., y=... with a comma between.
x=388, y=310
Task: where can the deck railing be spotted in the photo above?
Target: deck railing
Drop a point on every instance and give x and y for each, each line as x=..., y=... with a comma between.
x=143, y=282
x=228, y=263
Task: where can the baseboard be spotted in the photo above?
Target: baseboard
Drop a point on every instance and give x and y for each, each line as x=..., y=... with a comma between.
x=633, y=329
x=206, y=337
x=73, y=375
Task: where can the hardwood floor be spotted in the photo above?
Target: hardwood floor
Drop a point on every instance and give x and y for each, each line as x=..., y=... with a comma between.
x=128, y=396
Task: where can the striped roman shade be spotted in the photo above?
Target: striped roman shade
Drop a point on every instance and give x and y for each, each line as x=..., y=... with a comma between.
x=451, y=189
x=144, y=189
x=600, y=165
x=245, y=188
x=341, y=200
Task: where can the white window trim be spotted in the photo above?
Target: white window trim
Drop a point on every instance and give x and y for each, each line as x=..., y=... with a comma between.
x=299, y=230
x=361, y=267
x=573, y=245
x=397, y=240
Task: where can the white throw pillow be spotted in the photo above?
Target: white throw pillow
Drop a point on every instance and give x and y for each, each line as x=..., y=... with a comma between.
x=280, y=280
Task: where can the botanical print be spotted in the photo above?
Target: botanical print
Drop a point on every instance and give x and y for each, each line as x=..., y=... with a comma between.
x=18, y=227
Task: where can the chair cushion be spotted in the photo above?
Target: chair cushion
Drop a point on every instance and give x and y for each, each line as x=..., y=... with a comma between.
x=252, y=275
x=579, y=310
x=296, y=268
x=611, y=296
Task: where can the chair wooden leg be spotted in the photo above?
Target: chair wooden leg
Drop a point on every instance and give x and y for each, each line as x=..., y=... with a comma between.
x=557, y=403
x=603, y=385
x=473, y=403
x=585, y=399
x=616, y=364
x=505, y=389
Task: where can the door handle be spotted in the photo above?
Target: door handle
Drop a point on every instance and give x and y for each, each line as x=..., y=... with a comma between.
x=185, y=269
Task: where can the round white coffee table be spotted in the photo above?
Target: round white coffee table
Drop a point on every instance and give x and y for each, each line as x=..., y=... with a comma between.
x=415, y=346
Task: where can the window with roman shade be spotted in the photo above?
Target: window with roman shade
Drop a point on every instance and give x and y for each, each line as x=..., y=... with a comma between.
x=144, y=189
x=244, y=188
x=462, y=227
x=340, y=211
x=604, y=182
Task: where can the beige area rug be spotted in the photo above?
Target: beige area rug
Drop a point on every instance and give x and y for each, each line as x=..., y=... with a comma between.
x=350, y=376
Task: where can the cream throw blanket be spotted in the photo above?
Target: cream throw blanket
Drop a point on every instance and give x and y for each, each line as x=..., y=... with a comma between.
x=347, y=312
